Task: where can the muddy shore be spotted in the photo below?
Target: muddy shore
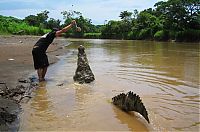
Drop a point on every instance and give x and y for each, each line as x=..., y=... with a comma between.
x=15, y=63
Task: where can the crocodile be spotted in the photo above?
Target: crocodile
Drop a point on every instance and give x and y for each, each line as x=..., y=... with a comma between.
x=130, y=102
x=83, y=72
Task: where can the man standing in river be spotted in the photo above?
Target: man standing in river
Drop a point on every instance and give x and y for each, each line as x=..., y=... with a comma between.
x=39, y=49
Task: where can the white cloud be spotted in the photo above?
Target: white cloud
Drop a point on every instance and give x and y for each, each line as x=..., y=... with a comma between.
x=97, y=10
x=21, y=13
x=11, y=1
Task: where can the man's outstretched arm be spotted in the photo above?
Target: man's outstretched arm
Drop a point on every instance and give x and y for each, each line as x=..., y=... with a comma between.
x=65, y=29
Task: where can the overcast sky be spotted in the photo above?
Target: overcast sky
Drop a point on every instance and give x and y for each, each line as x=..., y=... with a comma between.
x=96, y=10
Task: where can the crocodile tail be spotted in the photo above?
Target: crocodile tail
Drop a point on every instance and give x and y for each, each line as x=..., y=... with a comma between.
x=130, y=102
x=134, y=103
x=119, y=100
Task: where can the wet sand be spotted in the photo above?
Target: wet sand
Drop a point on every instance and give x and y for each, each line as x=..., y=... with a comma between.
x=19, y=48
x=16, y=61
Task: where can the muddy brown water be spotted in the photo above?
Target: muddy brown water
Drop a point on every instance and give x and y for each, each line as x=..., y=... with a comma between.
x=165, y=75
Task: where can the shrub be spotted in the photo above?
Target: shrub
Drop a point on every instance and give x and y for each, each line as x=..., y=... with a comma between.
x=144, y=34
x=92, y=35
x=161, y=35
x=190, y=35
x=172, y=35
x=133, y=35
x=11, y=25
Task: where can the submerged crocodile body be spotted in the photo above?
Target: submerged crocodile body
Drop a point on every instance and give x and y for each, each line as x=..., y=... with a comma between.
x=83, y=72
x=127, y=102
x=130, y=102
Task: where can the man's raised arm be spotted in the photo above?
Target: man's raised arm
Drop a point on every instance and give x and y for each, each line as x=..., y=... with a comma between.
x=65, y=29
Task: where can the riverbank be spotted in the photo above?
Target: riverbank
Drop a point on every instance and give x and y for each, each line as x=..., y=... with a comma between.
x=16, y=62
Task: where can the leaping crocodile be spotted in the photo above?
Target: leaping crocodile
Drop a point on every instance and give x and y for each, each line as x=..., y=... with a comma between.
x=83, y=72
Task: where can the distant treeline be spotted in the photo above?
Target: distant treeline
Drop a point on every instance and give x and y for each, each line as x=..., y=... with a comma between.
x=177, y=20
x=11, y=25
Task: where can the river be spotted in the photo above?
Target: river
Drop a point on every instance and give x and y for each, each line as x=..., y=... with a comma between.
x=164, y=74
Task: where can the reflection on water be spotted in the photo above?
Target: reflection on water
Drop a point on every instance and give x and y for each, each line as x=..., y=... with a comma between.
x=129, y=119
x=165, y=75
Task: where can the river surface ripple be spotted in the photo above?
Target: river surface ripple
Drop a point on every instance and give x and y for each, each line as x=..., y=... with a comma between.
x=165, y=75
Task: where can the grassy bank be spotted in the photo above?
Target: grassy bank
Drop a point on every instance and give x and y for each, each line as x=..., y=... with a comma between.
x=11, y=25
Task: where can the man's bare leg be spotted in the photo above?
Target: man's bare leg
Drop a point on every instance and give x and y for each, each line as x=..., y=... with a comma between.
x=39, y=72
x=44, y=71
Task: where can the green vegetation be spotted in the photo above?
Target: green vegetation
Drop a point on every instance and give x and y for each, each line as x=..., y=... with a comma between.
x=92, y=35
x=177, y=20
x=11, y=25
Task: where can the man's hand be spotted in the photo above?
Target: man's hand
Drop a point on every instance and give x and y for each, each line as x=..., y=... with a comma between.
x=78, y=29
x=73, y=22
x=65, y=29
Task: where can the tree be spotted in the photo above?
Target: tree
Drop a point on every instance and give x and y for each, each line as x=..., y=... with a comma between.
x=42, y=18
x=39, y=20
x=179, y=14
x=85, y=23
x=52, y=23
x=135, y=14
x=69, y=15
x=192, y=8
x=31, y=20
x=125, y=15
x=112, y=30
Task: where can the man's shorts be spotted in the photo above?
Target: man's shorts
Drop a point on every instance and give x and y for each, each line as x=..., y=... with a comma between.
x=40, y=58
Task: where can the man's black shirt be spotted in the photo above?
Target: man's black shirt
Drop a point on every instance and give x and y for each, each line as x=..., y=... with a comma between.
x=44, y=42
